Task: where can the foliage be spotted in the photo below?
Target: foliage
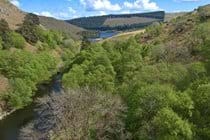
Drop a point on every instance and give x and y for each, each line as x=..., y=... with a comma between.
x=49, y=37
x=1, y=43
x=20, y=95
x=144, y=103
x=71, y=45
x=29, y=27
x=168, y=125
x=92, y=68
x=4, y=27
x=14, y=40
x=154, y=30
x=85, y=43
x=204, y=13
x=25, y=70
x=201, y=98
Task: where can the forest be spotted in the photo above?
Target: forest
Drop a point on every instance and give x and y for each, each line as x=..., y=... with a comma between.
x=154, y=86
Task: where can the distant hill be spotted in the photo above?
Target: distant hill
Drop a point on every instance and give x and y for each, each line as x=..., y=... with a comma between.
x=15, y=16
x=52, y=23
x=170, y=16
x=119, y=22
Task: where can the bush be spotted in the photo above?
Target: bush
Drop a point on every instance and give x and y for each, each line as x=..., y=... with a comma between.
x=14, y=40
x=4, y=27
x=1, y=43
x=29, y=28
x=144, y=103
x=49, y=37
x=91, y=68
x=201, y=113
x=26, y=70
x=71, y=45
x=20, y=95
x=168, y=125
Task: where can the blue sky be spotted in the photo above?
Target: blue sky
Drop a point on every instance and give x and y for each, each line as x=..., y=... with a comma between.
x=67, y=9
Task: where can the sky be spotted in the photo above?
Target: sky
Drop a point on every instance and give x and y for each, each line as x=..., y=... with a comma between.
x=68, y=9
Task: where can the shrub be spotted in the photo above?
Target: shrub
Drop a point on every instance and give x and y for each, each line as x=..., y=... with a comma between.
x=146, y=101
x=201, y=113
x=1, y=43
x=26, y=70
x=29, y=28
x=168, y=125
x=72, y=45
x=91, y=68
x=20, y=95
x=4, y=27
x=14, y=40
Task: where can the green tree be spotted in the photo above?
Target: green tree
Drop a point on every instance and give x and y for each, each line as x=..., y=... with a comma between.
x=1, y=43
x=92, y=68
x=201, y=113
x=168, y=125
x=29, y=28
x=85, y=43
x=20, y=94
x=4, y=27
x=144, y=103
x=14, y=40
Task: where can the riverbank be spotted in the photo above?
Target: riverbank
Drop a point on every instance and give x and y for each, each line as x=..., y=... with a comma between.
x=11, y=122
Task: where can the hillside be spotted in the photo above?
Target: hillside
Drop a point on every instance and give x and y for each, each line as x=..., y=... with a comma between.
x=178, y=35
x=59, y=25
x=15, y=16
x=11, y=14
x=170, y=16
x=118, y=22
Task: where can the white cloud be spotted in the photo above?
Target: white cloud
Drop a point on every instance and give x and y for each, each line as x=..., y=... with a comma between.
x=125, y=12
x=71, y=10
x=102, y=13
x=46, y=14
x=15, y=2
x=57, y=15
x=142, y=5
x=62, y=15
x=100, y=5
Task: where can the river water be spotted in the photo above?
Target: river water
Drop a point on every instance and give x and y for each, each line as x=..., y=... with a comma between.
x=104, y=35
x=11, y=125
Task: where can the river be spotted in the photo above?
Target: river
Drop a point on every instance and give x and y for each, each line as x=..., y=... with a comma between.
x=104, y=35
x=11, y=125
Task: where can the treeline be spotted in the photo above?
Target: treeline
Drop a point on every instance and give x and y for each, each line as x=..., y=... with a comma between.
x=97, y=22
